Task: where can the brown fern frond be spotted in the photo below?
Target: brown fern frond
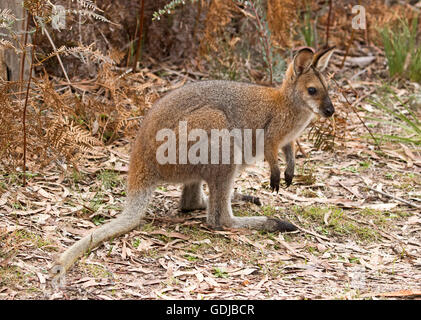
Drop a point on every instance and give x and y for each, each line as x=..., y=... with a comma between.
x=282, y=18
x=219, y=15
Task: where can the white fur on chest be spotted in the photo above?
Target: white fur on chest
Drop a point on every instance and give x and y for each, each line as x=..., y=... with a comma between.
x=297, y=130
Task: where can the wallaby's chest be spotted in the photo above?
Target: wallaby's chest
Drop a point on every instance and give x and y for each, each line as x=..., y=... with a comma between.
x=296, y=129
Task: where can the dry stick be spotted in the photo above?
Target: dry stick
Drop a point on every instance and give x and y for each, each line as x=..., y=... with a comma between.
x=25, y=41
x=349, y=45
x=26, y=103
x=139, y=43
x=328, y=23
x=355, y=111
x=196, y=22
x=313, y=233
x=265, y=40
x=395, y=198
x=347, y=49
x=57, y=55
x=301, y=148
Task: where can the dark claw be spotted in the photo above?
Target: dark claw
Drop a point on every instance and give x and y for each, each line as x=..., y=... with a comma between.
x=281, y=225
x=256, y=201
x=288, y=178
x=275, y=179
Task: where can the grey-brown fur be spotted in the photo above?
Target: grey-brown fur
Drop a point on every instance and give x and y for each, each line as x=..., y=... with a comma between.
x=283, y=113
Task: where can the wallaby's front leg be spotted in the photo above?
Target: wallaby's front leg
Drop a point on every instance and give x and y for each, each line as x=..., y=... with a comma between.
x=271, y=155
x=290, y=161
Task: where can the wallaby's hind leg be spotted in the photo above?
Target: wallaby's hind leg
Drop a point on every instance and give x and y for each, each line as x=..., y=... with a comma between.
x=129, y=219
x=193, y=197
x=220, y=212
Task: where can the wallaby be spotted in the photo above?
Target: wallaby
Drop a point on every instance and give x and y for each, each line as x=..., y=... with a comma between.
x=282, y=113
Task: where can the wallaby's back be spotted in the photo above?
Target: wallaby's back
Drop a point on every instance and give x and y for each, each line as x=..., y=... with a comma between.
x=243, y=104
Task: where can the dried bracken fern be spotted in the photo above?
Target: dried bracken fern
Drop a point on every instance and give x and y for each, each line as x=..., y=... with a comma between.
x=6, y=18
x=219, y=15
x=65, y=126
x=81, y=52
x=282, y=18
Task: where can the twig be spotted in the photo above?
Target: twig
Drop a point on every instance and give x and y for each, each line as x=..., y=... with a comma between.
x=404, y=3
x=395, y=198
x=57, y=55
x=347, y=49
x=290, y=249
x=139, y=43
x=196, y=22
x=328, y=23
x=265, y=40
x=25, y=41
x=349, y=190
x=26, y=102
x=355, y=111
x=134, y=118
x=314, y=234
x=301, y=148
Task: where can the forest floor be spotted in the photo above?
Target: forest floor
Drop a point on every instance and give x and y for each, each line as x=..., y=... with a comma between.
x=353, y=242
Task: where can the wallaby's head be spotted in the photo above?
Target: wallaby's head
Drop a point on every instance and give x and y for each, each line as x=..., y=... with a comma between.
x=309, y=87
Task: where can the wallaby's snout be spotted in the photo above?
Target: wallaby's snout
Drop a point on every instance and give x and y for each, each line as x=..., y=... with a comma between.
x=328, y=109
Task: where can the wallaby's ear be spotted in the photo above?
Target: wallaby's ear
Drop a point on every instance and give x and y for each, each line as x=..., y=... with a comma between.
x=302, y=60
x=321, y=58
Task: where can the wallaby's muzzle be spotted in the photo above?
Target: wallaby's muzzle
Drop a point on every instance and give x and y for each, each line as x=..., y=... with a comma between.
x=328, y=109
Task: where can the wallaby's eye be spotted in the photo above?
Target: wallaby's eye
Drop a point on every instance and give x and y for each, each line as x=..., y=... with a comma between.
x=312, y=90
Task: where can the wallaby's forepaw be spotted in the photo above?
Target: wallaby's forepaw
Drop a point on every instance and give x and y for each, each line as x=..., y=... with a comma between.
x=288, y=178
x=275, y=179
x=279, y=225
x=59, y=276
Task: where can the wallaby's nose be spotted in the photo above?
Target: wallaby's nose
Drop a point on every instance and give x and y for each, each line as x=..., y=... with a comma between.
x=329, y=109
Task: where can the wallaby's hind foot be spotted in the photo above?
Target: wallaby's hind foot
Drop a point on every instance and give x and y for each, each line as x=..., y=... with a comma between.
x=263, y=223
x=274, y=224
x=247, y=198
x=193, y=197
x=220, y=211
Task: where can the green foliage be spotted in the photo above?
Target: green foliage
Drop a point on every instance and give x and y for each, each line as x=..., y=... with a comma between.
x=402, y=118
x=168, y=8
x=402, y=53
x=307, y=29
x=110, y=179
x=220, y=273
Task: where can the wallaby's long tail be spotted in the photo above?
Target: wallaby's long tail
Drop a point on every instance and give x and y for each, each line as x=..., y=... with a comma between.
x=129, y=219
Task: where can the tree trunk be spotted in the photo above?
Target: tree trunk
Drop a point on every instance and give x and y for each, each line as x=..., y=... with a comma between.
x=10, y=62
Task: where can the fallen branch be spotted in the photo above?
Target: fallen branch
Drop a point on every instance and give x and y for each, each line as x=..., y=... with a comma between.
x=314, y=234
x=395, y=198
